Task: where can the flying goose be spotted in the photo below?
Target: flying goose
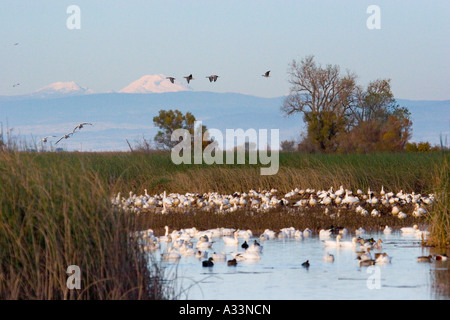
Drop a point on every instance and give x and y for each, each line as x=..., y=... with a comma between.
x=81, y=125
x=172, y=79
x=45, y=139
x=66, y=136
x=189, y=78
x=213, y=78
x=266, y=75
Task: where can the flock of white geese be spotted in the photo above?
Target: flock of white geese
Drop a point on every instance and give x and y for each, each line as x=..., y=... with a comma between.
x=368, y=203
x=243, y=245
x=198, y=243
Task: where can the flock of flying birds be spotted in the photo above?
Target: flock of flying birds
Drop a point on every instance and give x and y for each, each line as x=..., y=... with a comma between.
x=212, y=78
x=67, y=135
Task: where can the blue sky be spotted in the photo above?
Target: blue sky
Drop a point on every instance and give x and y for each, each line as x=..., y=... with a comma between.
x=120, y=41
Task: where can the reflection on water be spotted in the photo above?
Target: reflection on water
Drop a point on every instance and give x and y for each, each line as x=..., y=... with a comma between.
x=440, y=275
x=279, y=274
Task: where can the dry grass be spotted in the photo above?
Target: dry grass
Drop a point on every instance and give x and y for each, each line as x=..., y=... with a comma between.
x=439, y=218
x=55, y=216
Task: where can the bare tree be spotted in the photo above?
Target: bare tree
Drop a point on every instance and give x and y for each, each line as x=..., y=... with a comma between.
x=323, y=96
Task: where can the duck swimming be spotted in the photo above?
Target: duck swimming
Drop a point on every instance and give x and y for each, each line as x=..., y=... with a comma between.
x=231, y=262
x=425, y=258
x=441, y=257
x=382, y=258
x=328, y=257
x=208, y=263
x=365, y=263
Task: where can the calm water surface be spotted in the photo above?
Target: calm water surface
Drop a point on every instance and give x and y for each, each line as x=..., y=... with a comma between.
x=280, y=276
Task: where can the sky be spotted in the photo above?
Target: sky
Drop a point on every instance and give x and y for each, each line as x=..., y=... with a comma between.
x=120, y=41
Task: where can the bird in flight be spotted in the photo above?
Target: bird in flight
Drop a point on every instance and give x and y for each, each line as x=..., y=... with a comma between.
x=172, y=79
x=266, y=75
x=81, y=125
x=212, y=78
x=66, y=136
x=45, y=139
x=16, y=84
x=16, y=43
x=189, y=78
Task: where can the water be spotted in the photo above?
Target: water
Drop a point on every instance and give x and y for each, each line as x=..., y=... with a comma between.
x=280, y=276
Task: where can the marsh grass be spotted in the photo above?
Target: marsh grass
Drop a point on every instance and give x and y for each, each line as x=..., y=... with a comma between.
x=136, y=171
x=59, y=215
x=439, y=218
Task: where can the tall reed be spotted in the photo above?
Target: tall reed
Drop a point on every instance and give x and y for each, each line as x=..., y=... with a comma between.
x=59, y=215
x=439, y=218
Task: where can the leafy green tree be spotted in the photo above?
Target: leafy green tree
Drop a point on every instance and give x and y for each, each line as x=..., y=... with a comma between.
x=170, y=120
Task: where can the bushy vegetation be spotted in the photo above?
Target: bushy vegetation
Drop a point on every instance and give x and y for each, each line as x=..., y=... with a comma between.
x=422, y=147
x=340, y=115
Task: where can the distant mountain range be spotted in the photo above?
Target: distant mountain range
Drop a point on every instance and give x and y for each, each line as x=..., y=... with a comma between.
x=56, y=109
x=157, y=83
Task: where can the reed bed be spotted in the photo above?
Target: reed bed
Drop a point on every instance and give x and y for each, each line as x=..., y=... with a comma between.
x=57, y=215
x=154, y=171
x=439, y=218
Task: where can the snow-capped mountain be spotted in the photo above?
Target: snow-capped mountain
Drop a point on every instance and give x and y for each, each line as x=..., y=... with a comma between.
x=157, y=83
x=62, y=89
